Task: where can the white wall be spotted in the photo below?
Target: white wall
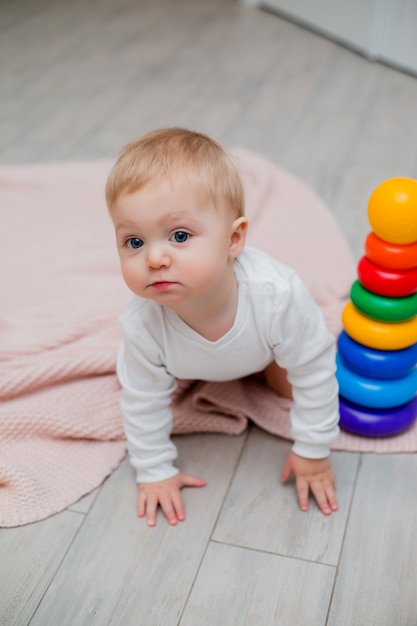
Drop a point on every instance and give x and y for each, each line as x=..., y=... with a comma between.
x=381, y=29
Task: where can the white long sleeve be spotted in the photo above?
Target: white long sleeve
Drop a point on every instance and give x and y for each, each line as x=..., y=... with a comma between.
x=145, y=403
x=305, y=348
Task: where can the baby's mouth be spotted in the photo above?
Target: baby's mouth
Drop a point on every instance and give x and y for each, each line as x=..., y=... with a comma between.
x=162, y=285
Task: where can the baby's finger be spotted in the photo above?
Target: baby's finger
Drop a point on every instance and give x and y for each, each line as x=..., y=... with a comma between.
x=321, y=497
x=169, y=510
x=330, y=489
x=141, y=505
x=151, y=508
x=287, y=470
x=301, y=486
x=178, y=505
x=192, y=481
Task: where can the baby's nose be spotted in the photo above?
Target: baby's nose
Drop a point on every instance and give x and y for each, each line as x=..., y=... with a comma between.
x=158, y=256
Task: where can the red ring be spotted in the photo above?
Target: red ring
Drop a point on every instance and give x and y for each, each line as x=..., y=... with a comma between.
x=394, y=256
x=385, y=282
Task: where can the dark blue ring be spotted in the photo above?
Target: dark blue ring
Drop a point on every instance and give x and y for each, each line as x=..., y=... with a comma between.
x=376, y=363
x=377, y=423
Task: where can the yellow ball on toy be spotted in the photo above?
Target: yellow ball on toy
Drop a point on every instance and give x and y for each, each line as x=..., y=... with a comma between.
x=392, y=210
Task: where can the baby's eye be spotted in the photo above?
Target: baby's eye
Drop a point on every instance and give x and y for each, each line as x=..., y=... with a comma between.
x=134, y=243
x=180, y=236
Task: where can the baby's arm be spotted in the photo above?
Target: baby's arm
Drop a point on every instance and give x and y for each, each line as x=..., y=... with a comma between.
x=310, y=474
x=146, y=406
x=307, y=351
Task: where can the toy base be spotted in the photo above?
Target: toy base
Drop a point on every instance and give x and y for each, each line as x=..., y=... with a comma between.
x=376, y=422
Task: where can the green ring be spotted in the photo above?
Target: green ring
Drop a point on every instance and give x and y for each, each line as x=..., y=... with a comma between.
x=381, y=307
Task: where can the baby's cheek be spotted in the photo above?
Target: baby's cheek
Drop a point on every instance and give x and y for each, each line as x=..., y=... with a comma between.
x=206, y=272
x=131, y=276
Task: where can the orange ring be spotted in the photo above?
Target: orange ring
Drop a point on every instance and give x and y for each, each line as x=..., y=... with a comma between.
x=394, y=256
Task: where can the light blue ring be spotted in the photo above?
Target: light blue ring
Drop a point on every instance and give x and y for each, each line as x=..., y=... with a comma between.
x=373, y=392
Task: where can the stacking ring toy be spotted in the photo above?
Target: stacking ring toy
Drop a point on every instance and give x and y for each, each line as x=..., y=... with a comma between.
x=385, y=282
x=373, y=392
x=391, y=255
x=376, y=334
x=392, y=210
x=382, y=307
x=376, y=363
x=377, y=423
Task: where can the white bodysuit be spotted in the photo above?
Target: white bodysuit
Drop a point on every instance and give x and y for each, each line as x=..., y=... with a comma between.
x=276, y=319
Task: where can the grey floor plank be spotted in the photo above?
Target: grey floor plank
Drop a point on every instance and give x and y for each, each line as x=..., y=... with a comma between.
x=118, y=570
x=282, y=92
x=329, y=128
x=83, y=505
x=261, y=513
x=30, y=556
x=378, y=568
x=245, y=587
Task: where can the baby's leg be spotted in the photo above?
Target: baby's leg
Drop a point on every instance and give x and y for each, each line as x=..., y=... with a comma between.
x=276, y=378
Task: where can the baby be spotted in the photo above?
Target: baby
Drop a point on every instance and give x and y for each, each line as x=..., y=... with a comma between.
x=205, y=307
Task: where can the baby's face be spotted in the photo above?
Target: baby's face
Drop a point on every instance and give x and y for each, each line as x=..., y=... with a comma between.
x=173, y=243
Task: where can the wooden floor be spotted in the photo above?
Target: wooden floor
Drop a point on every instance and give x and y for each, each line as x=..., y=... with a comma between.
x=78, y=80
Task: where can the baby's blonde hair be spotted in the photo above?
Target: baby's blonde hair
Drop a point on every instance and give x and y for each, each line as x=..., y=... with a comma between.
x=168, y=152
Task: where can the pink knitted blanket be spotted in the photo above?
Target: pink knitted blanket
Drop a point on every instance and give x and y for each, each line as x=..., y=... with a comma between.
x=61, y=293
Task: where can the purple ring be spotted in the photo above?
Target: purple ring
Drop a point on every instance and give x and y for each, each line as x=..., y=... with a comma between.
x=376, y=422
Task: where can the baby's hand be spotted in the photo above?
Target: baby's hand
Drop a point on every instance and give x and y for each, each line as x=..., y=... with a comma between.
x=314, y=474
x=166, y=494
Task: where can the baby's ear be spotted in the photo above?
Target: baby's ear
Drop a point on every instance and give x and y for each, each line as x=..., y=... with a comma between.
x=238, y=236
